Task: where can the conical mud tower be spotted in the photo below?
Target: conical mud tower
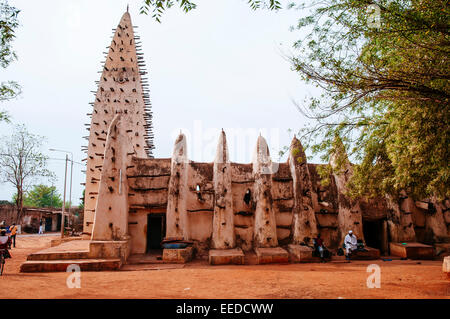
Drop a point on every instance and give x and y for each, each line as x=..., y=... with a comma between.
x=121, y=90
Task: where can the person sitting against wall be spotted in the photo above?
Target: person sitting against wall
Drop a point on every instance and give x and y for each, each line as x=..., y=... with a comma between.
x=350, y=244
x=319, y=248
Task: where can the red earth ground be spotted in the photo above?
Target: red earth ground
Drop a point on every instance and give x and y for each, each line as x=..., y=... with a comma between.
x=399, y=279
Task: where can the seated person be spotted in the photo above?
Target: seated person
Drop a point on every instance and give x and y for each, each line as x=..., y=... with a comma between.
x=5, y=242
x=320, y=248
x=350, y=244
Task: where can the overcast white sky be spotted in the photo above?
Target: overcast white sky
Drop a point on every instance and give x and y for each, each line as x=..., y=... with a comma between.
x=220, y=66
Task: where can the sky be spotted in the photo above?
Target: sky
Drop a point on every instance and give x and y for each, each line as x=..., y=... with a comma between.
x=219, y=66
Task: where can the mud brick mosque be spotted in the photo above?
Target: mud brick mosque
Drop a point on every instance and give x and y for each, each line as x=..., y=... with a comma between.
x=225, y=212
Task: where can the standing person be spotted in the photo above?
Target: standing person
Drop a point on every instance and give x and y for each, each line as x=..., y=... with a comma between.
x=13, y=230
x=350, y=243
x=41, y=227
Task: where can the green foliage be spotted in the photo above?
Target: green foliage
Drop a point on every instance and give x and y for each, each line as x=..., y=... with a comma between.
x=385, y=91
x=158, y=7
x=325, y=172
x=8, y=24
x=270, y=5
x=42, y=196
x=81, y=205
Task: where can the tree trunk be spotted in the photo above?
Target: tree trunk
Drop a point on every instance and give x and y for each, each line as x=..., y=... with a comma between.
x=19, y=205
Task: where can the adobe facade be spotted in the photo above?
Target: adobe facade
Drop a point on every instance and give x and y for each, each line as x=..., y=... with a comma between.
x=133, y=200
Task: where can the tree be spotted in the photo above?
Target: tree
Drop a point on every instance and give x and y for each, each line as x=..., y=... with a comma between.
x=383, y=69
x=158, y=7
x=8, y=24
x=21, y=162
x=42, y=196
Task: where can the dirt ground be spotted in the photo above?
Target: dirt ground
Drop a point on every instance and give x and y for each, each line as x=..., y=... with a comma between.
x=399, y=279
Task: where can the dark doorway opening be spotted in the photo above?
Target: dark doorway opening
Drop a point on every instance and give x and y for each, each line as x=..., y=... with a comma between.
x=58, y=222
x=48, y=224
x=375, y=234
x=156, y=230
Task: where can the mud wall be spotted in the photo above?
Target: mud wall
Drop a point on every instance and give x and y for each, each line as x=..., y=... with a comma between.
x=150, y=192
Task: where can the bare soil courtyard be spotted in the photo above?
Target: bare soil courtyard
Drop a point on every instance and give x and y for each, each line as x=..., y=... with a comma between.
x=399, y=279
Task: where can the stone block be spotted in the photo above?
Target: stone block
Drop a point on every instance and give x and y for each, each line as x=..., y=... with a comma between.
x=271, y=255
x=226, y=256
x=412, y=250
x=178, y=256
x=109, y=249
x=61, y=265
x=301, y=254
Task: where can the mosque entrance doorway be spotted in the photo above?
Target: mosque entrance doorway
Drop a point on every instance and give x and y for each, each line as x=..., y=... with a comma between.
x=156, y=231
x=375, y=234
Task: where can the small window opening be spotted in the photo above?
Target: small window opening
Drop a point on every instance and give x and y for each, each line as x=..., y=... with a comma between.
x=247, y=197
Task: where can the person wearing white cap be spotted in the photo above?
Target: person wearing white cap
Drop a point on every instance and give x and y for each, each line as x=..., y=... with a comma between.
x=350, y=244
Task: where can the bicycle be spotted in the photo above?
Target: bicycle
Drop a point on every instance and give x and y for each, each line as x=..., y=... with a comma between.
x=2, y=261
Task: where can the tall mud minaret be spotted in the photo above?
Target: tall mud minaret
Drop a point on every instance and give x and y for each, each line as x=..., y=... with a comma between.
x=121, y=89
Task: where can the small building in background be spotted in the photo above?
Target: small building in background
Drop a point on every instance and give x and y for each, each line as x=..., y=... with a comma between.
x=33, y=216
